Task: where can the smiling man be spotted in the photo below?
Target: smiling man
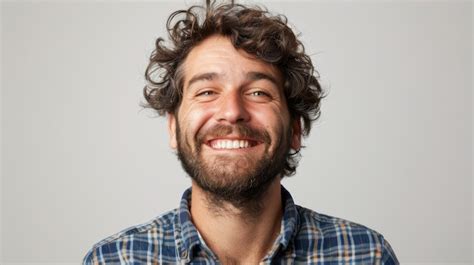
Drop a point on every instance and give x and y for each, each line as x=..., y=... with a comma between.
x=239, y=93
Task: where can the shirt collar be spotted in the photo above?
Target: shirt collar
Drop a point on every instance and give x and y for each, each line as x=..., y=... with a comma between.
x=188, y=236
x=186, y=233
x=290, y=220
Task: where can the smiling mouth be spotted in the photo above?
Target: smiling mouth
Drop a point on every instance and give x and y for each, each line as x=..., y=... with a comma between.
x=231, y=143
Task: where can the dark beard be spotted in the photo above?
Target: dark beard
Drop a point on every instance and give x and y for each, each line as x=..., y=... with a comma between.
x=244, y=192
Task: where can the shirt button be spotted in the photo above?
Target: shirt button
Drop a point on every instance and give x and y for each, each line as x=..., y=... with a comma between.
x=184, y=255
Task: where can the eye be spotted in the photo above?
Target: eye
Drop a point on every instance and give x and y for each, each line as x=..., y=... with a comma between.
x=259, y=96
x=206, y=93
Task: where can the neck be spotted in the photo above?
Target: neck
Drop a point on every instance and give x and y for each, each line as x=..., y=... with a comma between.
x=234, y=235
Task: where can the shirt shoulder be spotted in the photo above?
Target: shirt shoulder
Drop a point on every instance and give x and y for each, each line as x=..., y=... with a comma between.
x=137, y=244
x=332, y=239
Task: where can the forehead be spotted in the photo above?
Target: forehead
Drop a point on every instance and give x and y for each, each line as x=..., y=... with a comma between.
x=217, y=54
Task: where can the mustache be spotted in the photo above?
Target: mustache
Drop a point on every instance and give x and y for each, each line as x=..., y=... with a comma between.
x=242, y=130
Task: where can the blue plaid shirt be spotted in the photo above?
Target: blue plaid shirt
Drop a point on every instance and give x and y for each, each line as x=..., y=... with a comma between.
x=306, y=237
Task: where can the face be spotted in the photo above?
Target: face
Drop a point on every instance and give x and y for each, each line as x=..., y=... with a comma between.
x=232, y=129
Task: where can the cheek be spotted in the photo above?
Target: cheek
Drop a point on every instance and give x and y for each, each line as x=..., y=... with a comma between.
x=192, y=120
x=273, y=116
x=276, y=122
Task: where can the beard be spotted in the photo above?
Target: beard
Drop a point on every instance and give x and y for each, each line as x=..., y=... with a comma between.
x=241, y=181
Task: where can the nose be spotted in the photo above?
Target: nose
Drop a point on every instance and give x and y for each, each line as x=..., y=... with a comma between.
x=232, y=109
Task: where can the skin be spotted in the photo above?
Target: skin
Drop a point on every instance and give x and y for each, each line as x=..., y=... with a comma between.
x=229, y=93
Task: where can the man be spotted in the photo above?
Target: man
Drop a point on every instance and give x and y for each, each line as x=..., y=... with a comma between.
x=239, y=93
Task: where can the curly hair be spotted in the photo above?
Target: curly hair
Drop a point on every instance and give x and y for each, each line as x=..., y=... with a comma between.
x=253, y=29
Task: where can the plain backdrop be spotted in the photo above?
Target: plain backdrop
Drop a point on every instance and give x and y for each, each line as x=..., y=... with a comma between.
x=81, y=160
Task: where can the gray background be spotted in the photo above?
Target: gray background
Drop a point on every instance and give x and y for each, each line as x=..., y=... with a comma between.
x=80, y=160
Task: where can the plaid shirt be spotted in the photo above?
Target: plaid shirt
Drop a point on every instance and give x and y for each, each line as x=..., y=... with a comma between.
x=306, y=237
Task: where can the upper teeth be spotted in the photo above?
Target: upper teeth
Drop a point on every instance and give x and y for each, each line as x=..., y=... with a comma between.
x=230, y=144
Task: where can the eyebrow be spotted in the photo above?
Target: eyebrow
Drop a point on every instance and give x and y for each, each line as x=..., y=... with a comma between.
x=255, y=76
x=202, y=77
x=252, y=76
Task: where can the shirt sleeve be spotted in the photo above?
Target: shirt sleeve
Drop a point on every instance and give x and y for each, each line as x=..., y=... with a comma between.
x=388, y=255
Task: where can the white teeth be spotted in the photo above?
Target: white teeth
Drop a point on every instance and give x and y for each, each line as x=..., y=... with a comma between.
x=230, y=144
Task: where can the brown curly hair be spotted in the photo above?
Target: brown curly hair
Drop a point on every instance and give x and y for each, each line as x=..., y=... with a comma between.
x=252, y=29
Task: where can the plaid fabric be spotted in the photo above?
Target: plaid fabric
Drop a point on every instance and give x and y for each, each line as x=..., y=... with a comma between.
x=306, y=237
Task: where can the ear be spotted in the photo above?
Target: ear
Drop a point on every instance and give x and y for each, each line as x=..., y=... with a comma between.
x=172, y=130
x=296, y=134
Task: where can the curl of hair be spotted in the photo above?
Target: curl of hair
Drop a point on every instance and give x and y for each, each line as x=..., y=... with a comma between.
x=252, y=29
